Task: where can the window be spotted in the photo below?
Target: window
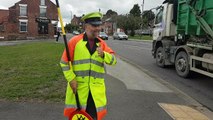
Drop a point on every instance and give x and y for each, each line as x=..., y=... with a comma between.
x=23, y=26
x=43, y=11
x=159, y=16
x=42, y=2
x=1, y=28
x=23, y=9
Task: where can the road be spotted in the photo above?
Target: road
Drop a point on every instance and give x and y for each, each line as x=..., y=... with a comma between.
x=136, y=89
x=199, y=87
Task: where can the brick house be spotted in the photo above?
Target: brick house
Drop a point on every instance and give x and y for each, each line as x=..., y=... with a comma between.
x=76, y=20
x=109, y=26
x=3, y=20
x=29, y=19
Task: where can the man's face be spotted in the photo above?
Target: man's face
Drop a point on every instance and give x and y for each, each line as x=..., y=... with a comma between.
x=92, y=31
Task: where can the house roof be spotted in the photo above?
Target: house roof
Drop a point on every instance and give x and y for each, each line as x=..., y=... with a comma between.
x=14, y=4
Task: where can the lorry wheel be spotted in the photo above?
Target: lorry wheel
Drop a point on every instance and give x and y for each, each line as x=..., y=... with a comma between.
x=182, y=64
x=160, y=61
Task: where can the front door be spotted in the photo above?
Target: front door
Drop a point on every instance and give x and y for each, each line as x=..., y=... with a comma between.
x=42, y=28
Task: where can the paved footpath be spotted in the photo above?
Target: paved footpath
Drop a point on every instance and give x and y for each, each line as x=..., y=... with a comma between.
x=133, y=94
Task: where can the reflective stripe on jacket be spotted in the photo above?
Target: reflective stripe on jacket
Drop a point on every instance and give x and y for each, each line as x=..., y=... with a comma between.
x=88, y=70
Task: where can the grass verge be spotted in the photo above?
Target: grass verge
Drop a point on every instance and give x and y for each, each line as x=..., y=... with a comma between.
x=31, y=72
x=139, y=37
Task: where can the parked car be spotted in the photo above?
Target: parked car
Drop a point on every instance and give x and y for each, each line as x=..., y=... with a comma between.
x=120, y=36
x=103, y=35
x=75, y=33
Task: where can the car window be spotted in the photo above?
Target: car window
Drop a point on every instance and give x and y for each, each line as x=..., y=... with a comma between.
x=102, y=33
x=76, y=32
x=121, y=33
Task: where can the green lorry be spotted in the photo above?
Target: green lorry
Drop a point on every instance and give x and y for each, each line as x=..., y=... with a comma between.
x=183, y=36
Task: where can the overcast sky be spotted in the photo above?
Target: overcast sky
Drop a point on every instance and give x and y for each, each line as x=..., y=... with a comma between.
x=79, y=7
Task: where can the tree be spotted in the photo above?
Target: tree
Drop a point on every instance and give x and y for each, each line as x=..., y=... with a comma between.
x=134, y=19
x=111, y=13
x=122, y=22
x=135, y=11
x=128, y=22
x=149, y=14
x=133, y=24
x=69, y=27
x=148, y=18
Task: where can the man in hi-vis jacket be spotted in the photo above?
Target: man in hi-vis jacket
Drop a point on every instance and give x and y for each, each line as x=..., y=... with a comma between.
x=88, y=54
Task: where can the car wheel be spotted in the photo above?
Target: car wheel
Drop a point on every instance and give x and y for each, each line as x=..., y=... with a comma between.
x=160, y=61
x=182, y=64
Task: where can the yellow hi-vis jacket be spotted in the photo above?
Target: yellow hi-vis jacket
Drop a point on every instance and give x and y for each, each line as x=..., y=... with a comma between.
x=88, y=70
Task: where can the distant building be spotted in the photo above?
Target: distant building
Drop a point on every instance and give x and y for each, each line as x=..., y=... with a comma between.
x=3, y=21
x=109, y=26
x=29, y=19
x=76, y=20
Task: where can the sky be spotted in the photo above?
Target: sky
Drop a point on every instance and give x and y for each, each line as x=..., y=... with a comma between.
x=80, y=7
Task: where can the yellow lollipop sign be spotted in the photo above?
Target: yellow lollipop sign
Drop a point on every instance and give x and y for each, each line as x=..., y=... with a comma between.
x=80, y=115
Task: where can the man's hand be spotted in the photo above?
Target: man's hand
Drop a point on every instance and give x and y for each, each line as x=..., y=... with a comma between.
x=73, y=85
x=100, y=51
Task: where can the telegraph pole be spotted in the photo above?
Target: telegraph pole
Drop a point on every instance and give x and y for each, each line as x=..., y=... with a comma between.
x=71, y=15
x=142, y=9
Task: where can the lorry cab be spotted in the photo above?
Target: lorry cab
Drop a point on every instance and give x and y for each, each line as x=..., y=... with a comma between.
x=163, y=24
x=164, y=34
x=183, y=36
